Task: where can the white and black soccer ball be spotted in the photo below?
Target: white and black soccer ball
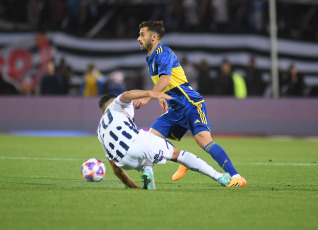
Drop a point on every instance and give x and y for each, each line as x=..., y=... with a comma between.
x=93, y=170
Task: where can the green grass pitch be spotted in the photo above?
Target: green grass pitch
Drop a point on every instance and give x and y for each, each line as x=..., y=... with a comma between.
x=41, y=188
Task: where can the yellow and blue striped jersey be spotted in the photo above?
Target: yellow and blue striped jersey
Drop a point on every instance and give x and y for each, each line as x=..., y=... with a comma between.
x=163, y=61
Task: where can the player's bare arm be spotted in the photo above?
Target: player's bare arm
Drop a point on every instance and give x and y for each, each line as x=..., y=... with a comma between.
x=123, y=176
x=140, y=94
x=163, y=83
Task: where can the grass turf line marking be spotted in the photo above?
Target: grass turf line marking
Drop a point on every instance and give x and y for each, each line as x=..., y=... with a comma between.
x=277, y=164
x=80, y=159
x=42, y=158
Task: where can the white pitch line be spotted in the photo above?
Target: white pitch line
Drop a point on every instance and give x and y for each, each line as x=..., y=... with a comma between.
x=42, y=158
x=80, y=159
x=276, y=164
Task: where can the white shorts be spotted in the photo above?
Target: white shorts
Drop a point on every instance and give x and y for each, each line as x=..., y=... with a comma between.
x=146, y=147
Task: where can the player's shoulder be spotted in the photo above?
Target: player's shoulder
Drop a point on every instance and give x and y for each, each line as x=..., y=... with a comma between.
x=162, y=49
x=164, y=52
x=166, y=49
x=122, y=107
x=115, y=104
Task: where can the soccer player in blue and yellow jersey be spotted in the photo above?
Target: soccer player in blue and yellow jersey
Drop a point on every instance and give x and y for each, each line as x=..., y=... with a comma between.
x=187, y=108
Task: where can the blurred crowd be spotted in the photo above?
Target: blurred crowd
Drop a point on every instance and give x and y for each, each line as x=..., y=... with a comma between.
x=225, y=81
x=119, y=19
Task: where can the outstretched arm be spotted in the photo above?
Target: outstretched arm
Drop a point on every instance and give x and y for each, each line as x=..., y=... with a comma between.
x=128, y=96
x=122, y=175
x=163, y=83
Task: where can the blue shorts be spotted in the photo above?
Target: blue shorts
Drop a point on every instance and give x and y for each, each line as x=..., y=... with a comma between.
x=174, y=124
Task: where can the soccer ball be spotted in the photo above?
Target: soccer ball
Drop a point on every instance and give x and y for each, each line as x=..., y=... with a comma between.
x=93, y=170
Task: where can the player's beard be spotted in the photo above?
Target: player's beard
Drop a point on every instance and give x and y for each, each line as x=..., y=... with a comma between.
x=148, y=45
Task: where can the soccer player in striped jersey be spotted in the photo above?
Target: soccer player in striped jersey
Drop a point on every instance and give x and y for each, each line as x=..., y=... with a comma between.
x=126, y=147
x=187, y=108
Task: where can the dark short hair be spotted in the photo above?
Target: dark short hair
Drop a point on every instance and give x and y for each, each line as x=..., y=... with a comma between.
x=105, y=98
x=154, y=26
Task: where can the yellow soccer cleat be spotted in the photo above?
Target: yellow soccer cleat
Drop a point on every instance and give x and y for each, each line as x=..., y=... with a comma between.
x=179, y=173
x=237, y=182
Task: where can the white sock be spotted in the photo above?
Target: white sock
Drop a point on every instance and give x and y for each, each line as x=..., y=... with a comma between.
x=194, y=163
x=236, y=176
x=148, y=166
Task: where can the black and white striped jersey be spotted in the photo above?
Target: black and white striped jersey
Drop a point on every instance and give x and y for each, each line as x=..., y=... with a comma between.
x=116, y=130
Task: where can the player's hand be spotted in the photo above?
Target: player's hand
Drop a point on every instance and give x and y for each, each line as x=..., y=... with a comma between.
x=141, y=102
x=159, y=95
x=134, y=186
x=163, y=104
x=162, y=99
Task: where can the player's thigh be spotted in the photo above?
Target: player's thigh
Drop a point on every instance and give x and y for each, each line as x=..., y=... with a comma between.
x=159, y=149
x=197, y=119
x=129, y=162
x=171, y=125
x=153, y=148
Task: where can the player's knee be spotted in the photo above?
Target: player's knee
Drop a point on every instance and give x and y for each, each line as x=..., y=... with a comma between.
x=203, y=138
x=155, y=132
x=175, y=154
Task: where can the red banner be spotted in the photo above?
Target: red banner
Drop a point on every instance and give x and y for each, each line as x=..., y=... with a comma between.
x=22, y=64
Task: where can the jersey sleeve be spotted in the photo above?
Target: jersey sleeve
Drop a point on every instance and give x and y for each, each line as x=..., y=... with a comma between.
x=119, y=106
x=164, y=62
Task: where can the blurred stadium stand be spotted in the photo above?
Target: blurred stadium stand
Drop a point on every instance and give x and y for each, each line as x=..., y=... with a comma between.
x=104, y=32
x=296, y=18
x=111, y=55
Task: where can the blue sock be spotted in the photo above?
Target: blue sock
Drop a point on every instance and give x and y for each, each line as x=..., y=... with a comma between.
x=220, y=156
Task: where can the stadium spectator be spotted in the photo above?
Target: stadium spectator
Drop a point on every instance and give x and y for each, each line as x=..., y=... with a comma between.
x=131, y=25
x=254, y=82
x=220, y=9
x=15, y=10
x=116, y=84
x=205, y=16
x=296, y=19
x=191, y=13
x=257, y=16
x=187, y=108
x=173, y=14
x=206, y=84
x=76, y=12
x=240, y=11
x=51, y=83
x=93, y=82
x=45, y=15
x=58, y=7
x=134, y=80
x=191, y=72
x=294, y=84
x=224, y=81
x=6, y=88
x=230, y=83
x=33, y=12
x=128, y=148
x=65, y=71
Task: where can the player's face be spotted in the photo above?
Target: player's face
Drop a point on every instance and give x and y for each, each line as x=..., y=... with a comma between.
x=145, y=39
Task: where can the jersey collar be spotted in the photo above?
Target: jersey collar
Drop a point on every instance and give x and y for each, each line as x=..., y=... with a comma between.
x=154, y=52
